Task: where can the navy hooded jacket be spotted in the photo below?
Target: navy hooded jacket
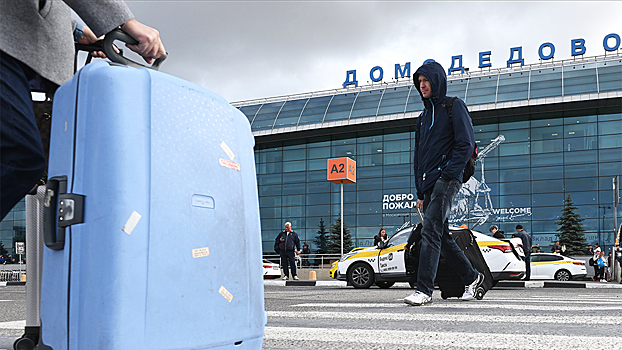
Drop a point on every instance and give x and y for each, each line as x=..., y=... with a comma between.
x=441, y=149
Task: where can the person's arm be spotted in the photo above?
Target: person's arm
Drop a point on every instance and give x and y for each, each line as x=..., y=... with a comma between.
x=464, y=142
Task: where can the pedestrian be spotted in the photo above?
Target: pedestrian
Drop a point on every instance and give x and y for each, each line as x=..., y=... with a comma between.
x=595, y=257
x=535, y=248
x=601, y=264
x=496, y=233
x=305, y=251
x=556, y=248
x=526, y=239
x=381, y=237
x=37, y=51
x=589, y=250
x=443, y=147
x=288, y=242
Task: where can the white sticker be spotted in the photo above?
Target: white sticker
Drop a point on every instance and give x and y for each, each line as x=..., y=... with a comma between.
x=229, y=164
x=200, y=252
x=131, y=223
x=225, y=293
x=227, y=150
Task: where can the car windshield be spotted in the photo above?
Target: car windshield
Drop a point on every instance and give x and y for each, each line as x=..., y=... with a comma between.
x=400, y=237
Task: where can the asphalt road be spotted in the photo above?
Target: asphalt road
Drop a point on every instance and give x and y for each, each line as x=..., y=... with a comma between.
x=512, y=318
x=335, y=318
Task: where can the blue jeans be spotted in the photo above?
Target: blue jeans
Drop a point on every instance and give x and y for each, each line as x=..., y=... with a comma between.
x=22, y=160
x=286, y=257
x=436, y=239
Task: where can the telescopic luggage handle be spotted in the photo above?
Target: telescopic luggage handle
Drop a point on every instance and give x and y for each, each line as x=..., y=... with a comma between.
x=107, y=46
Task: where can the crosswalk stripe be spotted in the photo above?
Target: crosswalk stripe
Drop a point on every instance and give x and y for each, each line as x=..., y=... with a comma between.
x=13, y=324
x=464, y=305
x=418, y=315
x=434, y=339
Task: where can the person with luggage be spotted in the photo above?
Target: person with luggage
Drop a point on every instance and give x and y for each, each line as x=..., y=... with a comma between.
x=443, y=146
x=526, y=239
x=381, y=237
x=597, y=252
x=496, y=233
x=37, y=51
x=288, y=242
x=601, y=265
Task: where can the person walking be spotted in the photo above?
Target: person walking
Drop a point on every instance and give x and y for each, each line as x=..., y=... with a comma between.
x=526, y=239
x=288, y=242
x=443, y=146
x=37, y=51
x=496, y=233
x=597, y=252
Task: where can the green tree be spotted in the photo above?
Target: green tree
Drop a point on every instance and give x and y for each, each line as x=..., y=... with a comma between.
x=321, y=241
x=334, y=241
x=3, y=250
x=570, y=231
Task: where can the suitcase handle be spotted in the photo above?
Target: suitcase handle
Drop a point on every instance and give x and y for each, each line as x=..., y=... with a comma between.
x=60, y=209
x=107, y=46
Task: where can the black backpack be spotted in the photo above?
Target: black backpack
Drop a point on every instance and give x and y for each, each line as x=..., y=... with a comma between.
x=469, y=168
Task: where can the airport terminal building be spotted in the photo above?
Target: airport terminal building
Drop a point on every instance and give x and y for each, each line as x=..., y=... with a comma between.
x=543, y=131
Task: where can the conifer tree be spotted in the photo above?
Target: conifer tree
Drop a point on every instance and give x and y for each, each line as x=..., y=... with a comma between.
x=570, y=231
x=321, y=241
x=334, y=242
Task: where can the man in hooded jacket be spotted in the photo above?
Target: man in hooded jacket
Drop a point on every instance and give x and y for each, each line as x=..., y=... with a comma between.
x=442, y=148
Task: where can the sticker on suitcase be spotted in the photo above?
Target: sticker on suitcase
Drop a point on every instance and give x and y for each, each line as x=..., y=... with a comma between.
x=131, y=223
x=225, y=293
x=229, y=164
x=200, y=252
x=227, y=150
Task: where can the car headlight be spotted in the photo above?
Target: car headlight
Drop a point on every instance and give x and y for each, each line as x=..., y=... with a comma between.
x=345, y=256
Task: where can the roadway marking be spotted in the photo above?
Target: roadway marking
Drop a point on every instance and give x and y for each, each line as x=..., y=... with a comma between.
x=434, y=339
x=449, y=317
x=13, y=324
x=468, y=305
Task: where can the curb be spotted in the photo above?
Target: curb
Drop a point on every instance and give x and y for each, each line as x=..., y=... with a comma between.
x=500, y=284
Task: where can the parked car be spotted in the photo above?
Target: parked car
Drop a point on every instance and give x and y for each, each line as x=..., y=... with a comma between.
x=550, y=266
x=363, y=267
x=271, y=270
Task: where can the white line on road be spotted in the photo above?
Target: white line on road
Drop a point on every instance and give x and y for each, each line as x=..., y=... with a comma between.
x=465, y=305
x=449, y=317
x=13, y=324
x=435, y=340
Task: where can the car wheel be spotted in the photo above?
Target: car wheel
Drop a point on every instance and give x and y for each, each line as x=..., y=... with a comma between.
x=384, y=284
x=361, y=276
x=563, y=275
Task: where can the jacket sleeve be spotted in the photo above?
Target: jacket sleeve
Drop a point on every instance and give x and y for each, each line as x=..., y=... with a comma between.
x=101, y=16
x=418, y=173
x=297, y=242
x=464, y=142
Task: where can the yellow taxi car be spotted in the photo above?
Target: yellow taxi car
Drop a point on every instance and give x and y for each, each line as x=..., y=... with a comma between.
x=364, y=267
x=555, y=266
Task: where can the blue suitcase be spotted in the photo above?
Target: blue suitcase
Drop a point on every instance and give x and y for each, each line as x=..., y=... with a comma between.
x=152, y=217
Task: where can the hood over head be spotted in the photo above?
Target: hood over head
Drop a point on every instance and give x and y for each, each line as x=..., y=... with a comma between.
x=437, y=77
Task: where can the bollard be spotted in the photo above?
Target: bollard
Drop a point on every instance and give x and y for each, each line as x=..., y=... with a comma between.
x=312, y=275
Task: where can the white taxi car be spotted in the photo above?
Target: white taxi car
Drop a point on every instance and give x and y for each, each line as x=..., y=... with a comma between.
x=363, y=267
x=550, y=266
x=271, y=270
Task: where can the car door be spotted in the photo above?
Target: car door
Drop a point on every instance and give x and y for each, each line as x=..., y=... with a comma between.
x=391, y=258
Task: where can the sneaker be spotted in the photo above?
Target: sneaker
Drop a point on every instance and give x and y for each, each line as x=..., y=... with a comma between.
x=470, y=290
x=296, y=278
x=284, y=278
x=418, y=298
x=603, y=281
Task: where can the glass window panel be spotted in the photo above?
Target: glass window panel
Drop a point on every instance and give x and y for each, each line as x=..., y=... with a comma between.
x=266, y=115
x=271, y=156
x=397, y=146
x=546, y=213
x=314, y=111
x=270, y=213
x=514, y=174
x=580, y=144
x=583, y=198
x=398, y=169
x=414, y=101
x=608, y=128
x=547, y=159
x=515, y=201
x=547, y=146
x=492, y=128
x=515, y=125
x=456, y=87
x=372, y=220
x=610, y=169
x=582, y=184
x=369, y=148
x=366, y=105
x=610, y=76
x=249, y=111
x=610, y=155
x=610, y=141
x=581, y=157
x=481, y=90
x=546, y=83
x=514, y=162
x=514, y=187
x=292, y=166
x=318, y=210
x=547, y=133
x=553, y=185
x=298, y=188
x=270, y=201
x=372, y=183
x=609, y=117
x=547, y=199
x=513, y=87
x=581, y=129
x=398, y=136
x=340, y=107
x=318, y=198
x=317, y=164
x=294, y=154
x=546, y=122
x=394, y=100
x=512, y=149
x=580, y=79
x=272, y=190
x=402, y=182
x=397, y=158
x=517, y=135
x=547, y=172
x=318, y=152
x=344, y=151
x=580, y=170
x=369, y=208
x=318, y=187
x=294, y=177
x=290, y=113
x=269, y=179
x=368, y=171
x=270, y=168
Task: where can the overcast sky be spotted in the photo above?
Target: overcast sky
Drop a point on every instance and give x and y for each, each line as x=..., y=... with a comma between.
x=255, y=49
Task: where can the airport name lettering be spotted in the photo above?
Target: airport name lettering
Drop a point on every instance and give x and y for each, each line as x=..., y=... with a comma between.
x=398, y=201
x=546, y=51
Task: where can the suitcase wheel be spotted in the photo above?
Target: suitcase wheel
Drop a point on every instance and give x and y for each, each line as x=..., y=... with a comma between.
x=24, y=344
x=479, y=295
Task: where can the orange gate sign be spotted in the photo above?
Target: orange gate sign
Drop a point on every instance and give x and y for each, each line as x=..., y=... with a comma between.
x=341, y=170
